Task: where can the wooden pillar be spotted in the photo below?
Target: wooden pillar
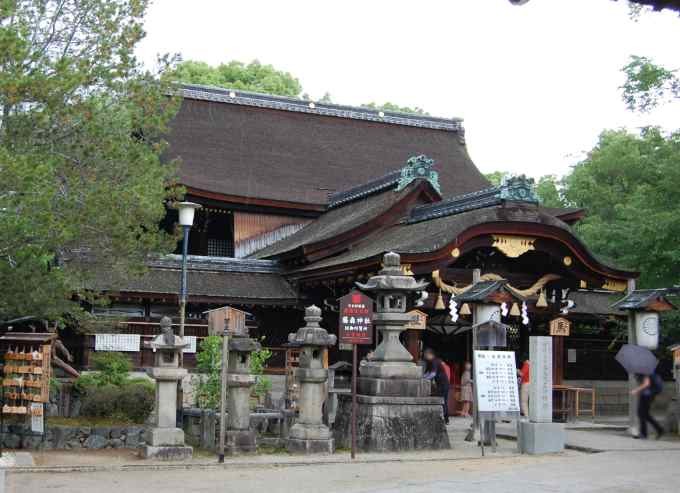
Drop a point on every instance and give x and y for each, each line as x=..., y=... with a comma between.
x=632, y=383
x=558, y=360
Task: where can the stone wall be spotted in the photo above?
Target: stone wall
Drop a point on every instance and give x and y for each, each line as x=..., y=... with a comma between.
x=73, y=437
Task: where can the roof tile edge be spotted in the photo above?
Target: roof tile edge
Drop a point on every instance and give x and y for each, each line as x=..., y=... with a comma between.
x=245, y=98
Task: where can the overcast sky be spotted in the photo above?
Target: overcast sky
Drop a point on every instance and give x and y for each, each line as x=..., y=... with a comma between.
x=535, y=84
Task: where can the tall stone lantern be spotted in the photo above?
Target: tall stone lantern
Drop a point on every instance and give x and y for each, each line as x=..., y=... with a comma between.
x=166, y=441
x=392, y=371
x=309, y=435
x=395, y=410
x=240, y=437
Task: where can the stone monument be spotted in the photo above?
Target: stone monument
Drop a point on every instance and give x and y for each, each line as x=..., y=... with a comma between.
x=395, y=409
x=309, y=435
x=240, y=437
x=540, y=435
x=165, y=441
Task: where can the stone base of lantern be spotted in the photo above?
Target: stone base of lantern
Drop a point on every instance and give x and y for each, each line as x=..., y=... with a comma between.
x=386, y=424
x=240, y=442
x=166, y=444
x=395, y=387
x=310, y=439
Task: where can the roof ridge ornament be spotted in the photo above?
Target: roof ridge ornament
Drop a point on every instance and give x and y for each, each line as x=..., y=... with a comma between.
x=419, y=167
x=518, y=188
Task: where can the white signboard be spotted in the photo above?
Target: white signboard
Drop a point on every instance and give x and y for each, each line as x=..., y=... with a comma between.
x=541, y=387
x=116, y=342
x=496, y=381
x=37, y=418
x=191, y=348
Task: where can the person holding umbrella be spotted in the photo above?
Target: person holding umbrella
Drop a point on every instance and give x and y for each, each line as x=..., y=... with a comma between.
x=642, y=363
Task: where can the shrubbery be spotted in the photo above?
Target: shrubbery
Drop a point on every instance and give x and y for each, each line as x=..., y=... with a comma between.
x=109, y=392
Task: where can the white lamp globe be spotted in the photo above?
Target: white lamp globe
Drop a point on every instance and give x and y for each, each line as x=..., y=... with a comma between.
x=186, y=212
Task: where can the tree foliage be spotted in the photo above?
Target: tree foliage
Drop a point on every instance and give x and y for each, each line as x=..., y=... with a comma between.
x=647, y=84
x=237, y=75
x=387, y=106
x=80, y=139
x=630, y=186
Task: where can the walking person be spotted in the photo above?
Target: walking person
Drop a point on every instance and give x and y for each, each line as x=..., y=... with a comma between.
x=525, y=379
x=435, y=371
x=650, y=386
x=466, y=389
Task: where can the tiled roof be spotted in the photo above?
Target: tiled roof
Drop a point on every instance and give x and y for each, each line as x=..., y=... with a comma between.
x=639, y=299
x=227, y=280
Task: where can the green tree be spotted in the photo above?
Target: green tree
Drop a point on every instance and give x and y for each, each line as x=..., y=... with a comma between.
x=80, y=140
x=387, y=106
x=495, y=177
x=647, y=84
x=549, y=191
x=630, y=186
x=237, y=75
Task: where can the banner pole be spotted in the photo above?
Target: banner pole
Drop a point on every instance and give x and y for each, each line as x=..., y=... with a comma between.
x=354, y=401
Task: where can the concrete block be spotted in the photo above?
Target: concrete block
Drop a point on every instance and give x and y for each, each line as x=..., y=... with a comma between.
x=308, y=447
x=541, y=438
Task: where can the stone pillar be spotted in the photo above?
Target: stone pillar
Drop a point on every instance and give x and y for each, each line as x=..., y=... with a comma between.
x=540, y=435
x=309, y=435
x=395, y=409
x=240, y=438
x=166, y=441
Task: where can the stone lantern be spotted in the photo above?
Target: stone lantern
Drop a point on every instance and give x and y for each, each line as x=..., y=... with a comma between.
x=395, y=410
x=309, y=434
x=166, y=441
x=240, y=437
x=392, y=371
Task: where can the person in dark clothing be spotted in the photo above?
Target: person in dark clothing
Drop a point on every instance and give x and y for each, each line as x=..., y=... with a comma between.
x=646, y=393
x=436, y=372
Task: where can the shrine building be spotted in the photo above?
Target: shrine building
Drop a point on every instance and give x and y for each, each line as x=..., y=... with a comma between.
x=301, y=199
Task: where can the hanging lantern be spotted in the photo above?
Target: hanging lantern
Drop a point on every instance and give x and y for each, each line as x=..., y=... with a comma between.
x=439, y=304
x=542, y=301
x=465, y=309
x=514, y=311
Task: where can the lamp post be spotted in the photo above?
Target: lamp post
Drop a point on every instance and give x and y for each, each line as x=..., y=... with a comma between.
x=186, y=220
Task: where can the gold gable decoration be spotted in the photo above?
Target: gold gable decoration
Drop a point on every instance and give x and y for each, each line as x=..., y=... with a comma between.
x=513, y=246
x=522, y=293
x=615, y=285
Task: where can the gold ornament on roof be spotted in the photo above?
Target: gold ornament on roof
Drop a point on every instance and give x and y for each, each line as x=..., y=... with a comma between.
x=615, y=285
x=513, y=246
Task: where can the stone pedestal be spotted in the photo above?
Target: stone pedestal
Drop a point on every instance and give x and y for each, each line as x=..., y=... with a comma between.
x=540, y=435
x=309, y=435
x=165, y=441
x=387, y=424
x=240, y=438
x=541, y=438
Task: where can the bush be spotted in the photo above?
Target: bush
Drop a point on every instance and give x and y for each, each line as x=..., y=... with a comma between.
x=111, y=369
x=209, y=363
x=132, y=402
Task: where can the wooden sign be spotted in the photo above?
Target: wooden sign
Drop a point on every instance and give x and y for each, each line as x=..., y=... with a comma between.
x=234, y=319
x=418, y=320
x=560, y=327
x=356, y=319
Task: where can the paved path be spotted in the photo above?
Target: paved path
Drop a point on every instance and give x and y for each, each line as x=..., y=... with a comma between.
x=620, y=472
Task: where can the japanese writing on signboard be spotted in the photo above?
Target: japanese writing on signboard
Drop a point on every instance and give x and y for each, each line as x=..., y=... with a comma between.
x=560, y=327
x=356, y=319
x=496, y=380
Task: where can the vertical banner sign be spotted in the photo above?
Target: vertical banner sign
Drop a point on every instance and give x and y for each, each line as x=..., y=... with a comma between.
x=355, y=327
x=356, y=319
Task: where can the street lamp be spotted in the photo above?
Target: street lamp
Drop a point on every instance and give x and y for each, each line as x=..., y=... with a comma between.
x=186, y=220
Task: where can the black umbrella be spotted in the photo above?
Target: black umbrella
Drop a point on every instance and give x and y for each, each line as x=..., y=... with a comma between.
x=637, y=359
